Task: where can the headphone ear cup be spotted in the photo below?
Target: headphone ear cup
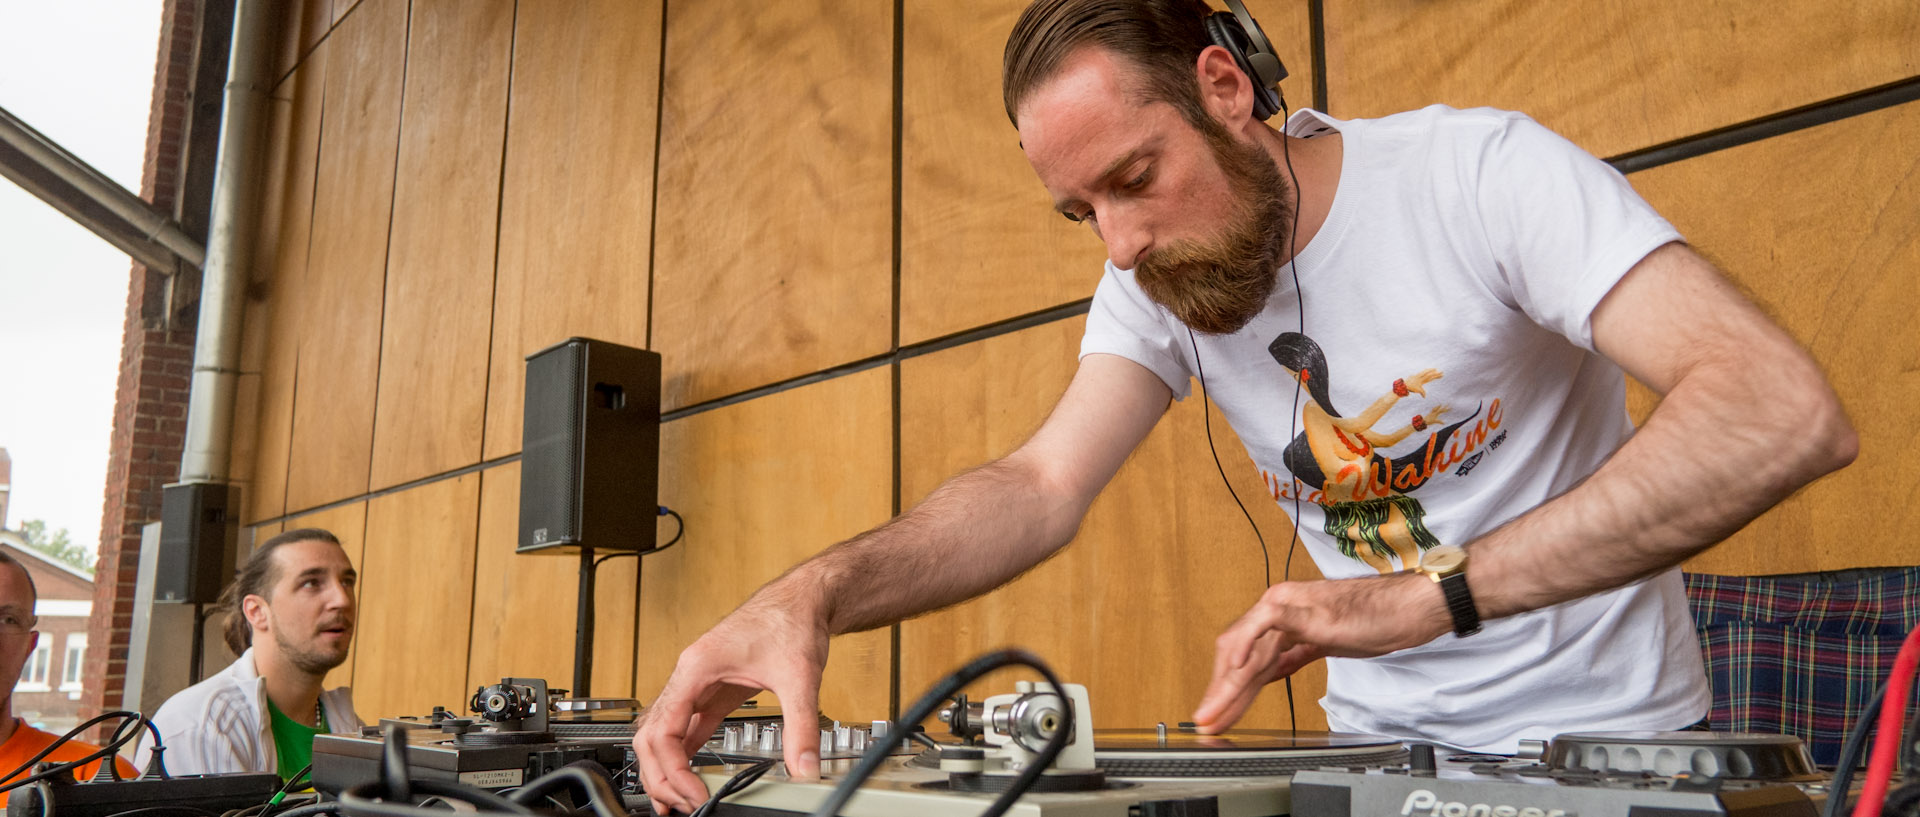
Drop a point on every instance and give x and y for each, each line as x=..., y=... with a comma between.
x=1262, y=69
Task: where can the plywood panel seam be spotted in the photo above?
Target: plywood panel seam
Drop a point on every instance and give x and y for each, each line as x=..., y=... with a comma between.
x=300, y=60
x=1813, y=115
x=293, y=427
x=404, y=486
x=386, y=258
x=899, y=139
x=499, y=221
x=653, y=226
x=473, y=573
x=893, y=630
x=1317, y=46
x=360, y=592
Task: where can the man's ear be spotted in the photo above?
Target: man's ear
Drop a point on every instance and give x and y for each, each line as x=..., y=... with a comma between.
x=1225, y=90
x=255, y=609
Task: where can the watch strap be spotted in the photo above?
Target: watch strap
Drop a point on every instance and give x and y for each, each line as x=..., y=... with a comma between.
x=1466, y=619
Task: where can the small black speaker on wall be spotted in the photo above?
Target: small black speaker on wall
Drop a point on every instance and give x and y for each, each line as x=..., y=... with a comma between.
x=590, y=450
x=193, y=565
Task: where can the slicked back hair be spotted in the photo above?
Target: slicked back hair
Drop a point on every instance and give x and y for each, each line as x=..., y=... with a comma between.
x=1161, y=39
x=256, y=578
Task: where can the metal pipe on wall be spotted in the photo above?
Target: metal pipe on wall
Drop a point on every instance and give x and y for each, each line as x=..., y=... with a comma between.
x=54, y=160
x=230, y=246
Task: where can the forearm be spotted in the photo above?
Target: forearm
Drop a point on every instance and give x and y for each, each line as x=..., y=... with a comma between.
x=1728, y=442
x=975, y=532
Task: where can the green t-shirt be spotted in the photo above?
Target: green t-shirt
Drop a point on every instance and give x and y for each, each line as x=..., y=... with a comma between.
x=292, y=742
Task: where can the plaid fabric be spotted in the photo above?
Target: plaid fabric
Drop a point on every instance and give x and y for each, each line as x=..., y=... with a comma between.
x=1801, y=654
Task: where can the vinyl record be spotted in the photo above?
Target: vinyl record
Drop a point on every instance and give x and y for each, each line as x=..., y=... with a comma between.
x=1238, y=753
x=1238, y=740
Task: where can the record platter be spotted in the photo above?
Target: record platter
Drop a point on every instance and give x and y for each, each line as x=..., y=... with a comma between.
x=1103, y=773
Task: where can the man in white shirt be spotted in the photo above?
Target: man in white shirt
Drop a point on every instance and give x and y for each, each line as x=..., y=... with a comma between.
x=1418, y=326
x=290, y=615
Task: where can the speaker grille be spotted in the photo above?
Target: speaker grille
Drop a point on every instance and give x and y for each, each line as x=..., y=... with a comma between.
x=551, y=450
x=589, y=464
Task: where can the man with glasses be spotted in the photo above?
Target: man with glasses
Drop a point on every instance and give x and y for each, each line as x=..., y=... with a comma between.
x=19, y=743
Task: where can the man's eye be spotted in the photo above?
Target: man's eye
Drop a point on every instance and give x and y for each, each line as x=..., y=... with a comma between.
x=1072, y=216
x=1139, y=181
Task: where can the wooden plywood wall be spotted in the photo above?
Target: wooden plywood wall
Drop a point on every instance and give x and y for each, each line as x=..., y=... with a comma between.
x=818, y=213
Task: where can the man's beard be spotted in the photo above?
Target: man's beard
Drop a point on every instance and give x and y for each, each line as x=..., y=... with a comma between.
x=1217, y=285
x=309, y=656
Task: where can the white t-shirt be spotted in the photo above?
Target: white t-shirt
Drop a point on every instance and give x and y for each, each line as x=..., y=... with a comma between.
x=1476, y=243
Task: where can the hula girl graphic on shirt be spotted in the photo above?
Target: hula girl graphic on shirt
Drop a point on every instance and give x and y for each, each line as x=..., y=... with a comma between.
x=1368, y=511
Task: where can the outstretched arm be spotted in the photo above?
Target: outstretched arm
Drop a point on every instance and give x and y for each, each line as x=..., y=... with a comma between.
x=1747, y=419
x=977, y=531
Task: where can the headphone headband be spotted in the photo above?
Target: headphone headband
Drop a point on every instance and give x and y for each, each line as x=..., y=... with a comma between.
x=1237, y=32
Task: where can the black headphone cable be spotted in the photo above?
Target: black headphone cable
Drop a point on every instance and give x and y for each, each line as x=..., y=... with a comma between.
x=1293, y=422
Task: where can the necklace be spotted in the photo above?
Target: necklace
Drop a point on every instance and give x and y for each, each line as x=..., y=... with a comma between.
x=319, y=715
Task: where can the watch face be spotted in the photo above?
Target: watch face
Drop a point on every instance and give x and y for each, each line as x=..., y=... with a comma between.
x=1443, y=559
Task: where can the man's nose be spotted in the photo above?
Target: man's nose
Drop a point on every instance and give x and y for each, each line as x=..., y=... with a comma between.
x=1127, y=237
x=341, y=597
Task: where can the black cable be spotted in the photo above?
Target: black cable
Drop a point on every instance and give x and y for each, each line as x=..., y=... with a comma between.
x=1910, y=753
x=392, y=794
x=313, y=809
x=880, y=750
x=1850, y=754
x=1293, y=420
x=664, y=511
x=364, y=800
x=286, y=789
x=170, y=811
x=156, y=757
x=121, y=736
x=394, y=782
x=599, y=790
x=1206, y=415
x=1300, y=309
x=734, y=785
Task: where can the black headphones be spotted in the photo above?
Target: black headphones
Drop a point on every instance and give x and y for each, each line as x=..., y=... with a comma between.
x=1236, y=32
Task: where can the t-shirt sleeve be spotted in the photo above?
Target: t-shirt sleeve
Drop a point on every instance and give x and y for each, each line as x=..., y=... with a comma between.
x=1564, y=227
x=1124, y=322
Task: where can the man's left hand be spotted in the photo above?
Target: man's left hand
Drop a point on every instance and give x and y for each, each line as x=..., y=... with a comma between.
x=1296, y=623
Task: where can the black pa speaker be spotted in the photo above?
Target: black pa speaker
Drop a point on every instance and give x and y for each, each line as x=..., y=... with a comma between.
x=590, y=456
x=192, y=567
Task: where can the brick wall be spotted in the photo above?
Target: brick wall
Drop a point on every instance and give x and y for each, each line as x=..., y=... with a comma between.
x=156, y=360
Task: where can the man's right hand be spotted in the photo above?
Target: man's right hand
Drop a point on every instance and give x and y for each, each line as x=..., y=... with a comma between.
x=769, y=643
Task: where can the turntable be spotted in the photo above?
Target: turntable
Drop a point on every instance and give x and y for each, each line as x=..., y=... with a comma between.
x=1158, y=772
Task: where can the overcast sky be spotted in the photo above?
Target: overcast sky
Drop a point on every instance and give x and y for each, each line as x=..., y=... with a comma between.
x=80, y=72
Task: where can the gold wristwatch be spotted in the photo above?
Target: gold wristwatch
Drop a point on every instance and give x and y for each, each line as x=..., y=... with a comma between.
x=1446, y=565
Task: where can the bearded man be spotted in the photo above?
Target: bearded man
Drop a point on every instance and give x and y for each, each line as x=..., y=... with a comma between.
x=1435, y=262
x=290, y=615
